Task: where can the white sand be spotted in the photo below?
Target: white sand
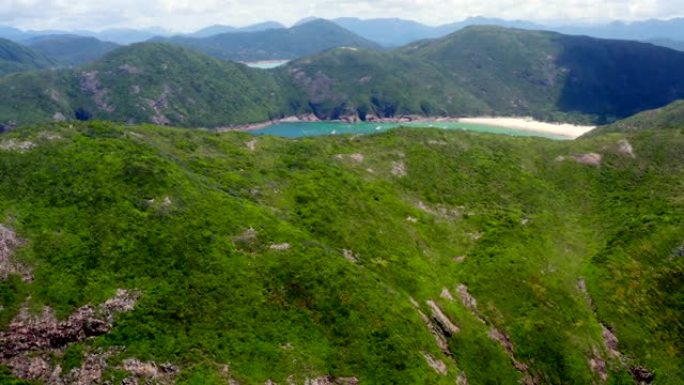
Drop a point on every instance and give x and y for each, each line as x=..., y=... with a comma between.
x=529, y=124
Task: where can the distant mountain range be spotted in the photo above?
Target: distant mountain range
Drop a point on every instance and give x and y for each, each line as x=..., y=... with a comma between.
x=301, y=40
x=394, y=32
x=219, y=29
x=70, y=49
x=478, y=70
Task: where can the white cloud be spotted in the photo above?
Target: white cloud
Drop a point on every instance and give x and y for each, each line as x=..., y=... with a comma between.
x=186, y=15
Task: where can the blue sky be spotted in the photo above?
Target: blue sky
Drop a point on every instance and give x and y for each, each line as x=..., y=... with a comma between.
x=188, y=15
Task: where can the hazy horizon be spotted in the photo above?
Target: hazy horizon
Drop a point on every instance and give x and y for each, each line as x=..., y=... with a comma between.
x=188, y=16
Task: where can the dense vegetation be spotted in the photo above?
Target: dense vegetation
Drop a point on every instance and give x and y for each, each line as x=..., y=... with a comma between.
x=670, y=116
x=478, y=70
x=300, y=40
x=17, y=58
x=148, y=82
x=71, y=50
x=197, y=222
x=508, y=71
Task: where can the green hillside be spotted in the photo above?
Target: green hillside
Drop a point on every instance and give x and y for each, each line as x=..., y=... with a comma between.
x=494, y=70
x=17, y=58
x=301, y=40
x=147, y=82
x=476, y=71
x=346, y=82
x=670, y=116
x=71, y=49
x=259, y=259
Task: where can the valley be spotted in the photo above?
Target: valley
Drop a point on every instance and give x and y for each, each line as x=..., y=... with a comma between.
x=341, y=201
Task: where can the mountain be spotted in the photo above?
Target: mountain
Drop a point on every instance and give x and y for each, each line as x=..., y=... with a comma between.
x=119, y=36
x=17, y=58
x=265, y=26
x=638, y=30
x=481, y=70
x=11, y=33
x=389, y=32
x=146, y=82
x=507, y=71
x=410, y=257
x=298, y=41
x=127, y=35
x=398, y=32
x=213, y=30
x=220, y=29
x=71, y=49
x=674, y=44
x=343, y=83
x=670, y=116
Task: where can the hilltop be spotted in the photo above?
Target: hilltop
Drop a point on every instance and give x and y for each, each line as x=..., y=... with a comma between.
x=479, y=70
x=17, y=58
x=409, y=257
x=500, y=70
x=279, y=43
x=147, y=82
x=668, y=117
x=71, y=49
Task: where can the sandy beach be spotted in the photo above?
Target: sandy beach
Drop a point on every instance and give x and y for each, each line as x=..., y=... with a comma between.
x=529, y=124
x=567, y=130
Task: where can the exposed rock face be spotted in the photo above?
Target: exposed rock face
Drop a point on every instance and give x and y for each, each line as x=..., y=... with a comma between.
x=251, y=145
x=30, y=343
x=8, y=243
x=611, y=341
x=625, y=148
x=589, y=159
x=446, y=294
x=28, y=333
x=461, y=379
x=150, y=371
x=280, y=246
x=468, y=300
x=399, y=169
x=641, y=375
x=444, y=322
x=440, y=337
x=356, y=158
x=439, y=366
x=91, y=84
x=598, y=366
x=350, y=256
x=329, y=380
x=16, y=145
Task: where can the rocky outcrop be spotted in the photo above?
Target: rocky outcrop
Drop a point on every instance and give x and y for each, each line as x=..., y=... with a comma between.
x=437, y=333
x=16, y=145
x=496, y=334
x=30, y=333
x=625, y=148
x=611, y=344
x=439, y=366
x=448, y=327
x=149, y=372
x=90, y=84
x=8, y=243
x=399, y=169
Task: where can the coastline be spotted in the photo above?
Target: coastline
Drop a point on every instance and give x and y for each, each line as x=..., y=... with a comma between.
x=567, y=130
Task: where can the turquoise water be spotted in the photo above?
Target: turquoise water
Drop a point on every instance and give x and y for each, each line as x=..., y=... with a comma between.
x=301, y=129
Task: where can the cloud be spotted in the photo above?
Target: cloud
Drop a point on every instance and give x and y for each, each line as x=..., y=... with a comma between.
x=186, y=15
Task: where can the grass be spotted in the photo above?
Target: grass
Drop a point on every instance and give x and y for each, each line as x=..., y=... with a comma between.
x=93, y=205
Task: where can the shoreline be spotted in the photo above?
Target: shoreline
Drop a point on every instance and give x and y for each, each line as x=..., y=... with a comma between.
x=567, y=130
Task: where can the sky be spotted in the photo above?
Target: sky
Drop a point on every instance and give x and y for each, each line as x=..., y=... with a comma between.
x=190, y=15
